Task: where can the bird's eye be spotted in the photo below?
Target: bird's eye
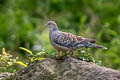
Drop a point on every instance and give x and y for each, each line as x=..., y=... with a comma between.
x=49, y=23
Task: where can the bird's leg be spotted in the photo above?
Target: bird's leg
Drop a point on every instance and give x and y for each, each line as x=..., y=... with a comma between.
x=68, y=52
x=58, y=56
x=71, y=53
x=59, y=53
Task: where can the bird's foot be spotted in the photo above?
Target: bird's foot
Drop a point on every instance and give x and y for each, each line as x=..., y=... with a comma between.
x=63, y=56
x=57, y=57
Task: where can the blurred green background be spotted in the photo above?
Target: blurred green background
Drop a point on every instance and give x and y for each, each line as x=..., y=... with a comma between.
x=22, y=24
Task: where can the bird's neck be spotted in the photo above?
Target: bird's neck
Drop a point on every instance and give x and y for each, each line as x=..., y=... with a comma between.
x=53, y=28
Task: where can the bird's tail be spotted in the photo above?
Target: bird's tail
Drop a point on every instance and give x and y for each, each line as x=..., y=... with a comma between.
x=95, y=46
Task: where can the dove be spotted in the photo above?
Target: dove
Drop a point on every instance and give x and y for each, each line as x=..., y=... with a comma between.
x=67, y=42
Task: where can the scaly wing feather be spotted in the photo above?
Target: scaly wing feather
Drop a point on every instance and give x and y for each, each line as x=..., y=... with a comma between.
x=70, y=40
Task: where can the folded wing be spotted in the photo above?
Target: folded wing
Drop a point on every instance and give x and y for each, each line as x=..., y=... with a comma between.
x=70, y=41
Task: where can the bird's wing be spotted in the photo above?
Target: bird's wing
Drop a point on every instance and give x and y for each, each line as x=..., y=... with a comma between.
x=69, y=40
x=86, y=39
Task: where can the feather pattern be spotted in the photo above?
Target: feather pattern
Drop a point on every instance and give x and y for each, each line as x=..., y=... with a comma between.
x=69, y=40
x=63, y=41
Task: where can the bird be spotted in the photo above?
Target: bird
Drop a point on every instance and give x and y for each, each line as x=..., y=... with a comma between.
x=67, y=42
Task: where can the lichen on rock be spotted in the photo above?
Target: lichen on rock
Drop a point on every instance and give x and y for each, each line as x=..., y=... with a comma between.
x=66, y=69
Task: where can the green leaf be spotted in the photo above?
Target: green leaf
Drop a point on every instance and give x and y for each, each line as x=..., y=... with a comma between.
x=20, y=63
x=25, y=50
x=39, y=58
x=112, y=32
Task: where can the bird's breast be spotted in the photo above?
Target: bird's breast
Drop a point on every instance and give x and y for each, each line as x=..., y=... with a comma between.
x=52, y=36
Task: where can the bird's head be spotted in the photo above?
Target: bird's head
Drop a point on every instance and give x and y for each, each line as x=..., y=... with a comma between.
x=51, y=24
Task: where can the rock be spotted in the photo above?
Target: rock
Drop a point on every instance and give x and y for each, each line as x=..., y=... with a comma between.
x=5, y=75
x=66, y=69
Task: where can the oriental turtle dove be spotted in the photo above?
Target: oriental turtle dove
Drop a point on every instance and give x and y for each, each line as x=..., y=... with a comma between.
x=63, y=41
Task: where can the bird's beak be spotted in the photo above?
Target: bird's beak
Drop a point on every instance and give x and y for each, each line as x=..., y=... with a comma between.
x=46, y=25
